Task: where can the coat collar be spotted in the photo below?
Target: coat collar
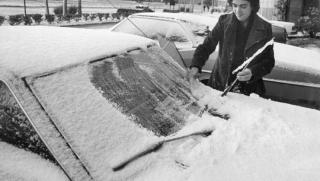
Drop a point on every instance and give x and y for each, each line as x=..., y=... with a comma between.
x=256, y=33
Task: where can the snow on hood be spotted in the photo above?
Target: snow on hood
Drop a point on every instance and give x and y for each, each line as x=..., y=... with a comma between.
x=28, y=50
x=263, y=140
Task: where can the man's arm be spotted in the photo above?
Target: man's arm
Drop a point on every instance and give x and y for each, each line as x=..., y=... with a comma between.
x=204, y=50
x=264, y=63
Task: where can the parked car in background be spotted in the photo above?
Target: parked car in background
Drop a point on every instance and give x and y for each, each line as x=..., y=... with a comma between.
x=280, y=33
x=74, y=103
x=137, y=9
x=295, y=78
x=287, y=25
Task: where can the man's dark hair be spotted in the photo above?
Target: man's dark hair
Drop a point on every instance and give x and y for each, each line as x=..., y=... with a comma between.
x=255, y=4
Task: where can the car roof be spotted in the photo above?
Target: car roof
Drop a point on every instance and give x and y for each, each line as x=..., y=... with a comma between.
x=206, y=19
x=194, y=18
x=29, y=50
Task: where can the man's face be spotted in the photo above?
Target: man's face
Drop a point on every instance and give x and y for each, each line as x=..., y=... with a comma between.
x=242, y=9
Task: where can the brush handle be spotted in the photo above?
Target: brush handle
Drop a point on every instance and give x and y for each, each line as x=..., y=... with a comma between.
x=228, y=89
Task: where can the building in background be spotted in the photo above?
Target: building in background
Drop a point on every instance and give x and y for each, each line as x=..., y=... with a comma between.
x=294, y=9
x=297, y=8
x=267, y=9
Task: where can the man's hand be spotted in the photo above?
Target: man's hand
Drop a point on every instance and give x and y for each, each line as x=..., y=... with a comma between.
x=244, y=75
x=192, y=74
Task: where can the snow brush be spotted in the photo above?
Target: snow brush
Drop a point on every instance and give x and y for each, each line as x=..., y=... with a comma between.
x=156, y=146
x=244, y=65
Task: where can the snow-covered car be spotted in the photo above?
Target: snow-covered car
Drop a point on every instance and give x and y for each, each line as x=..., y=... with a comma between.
x=287, y=25
x=83, y=100
x=80, y=105
x=295, y=78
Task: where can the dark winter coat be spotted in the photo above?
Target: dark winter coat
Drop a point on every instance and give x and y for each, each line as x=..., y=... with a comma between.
x=224, y=33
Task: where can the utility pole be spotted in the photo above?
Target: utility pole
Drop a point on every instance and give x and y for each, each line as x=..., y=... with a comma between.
x=64, y=7
x=212, y=5
x=79, y=8
x=192, y=5
x=202, y=6
x=47, y=7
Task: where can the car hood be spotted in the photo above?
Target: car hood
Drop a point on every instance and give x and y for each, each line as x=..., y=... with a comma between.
x=260, y=136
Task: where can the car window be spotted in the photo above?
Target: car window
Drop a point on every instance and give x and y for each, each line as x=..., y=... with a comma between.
x=15, y=127
x=127, y=27
x=199, y=31
x=21, y=146
x=152, y=28
x=107, y=108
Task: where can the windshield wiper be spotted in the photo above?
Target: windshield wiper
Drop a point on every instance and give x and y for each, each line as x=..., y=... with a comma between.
x=156, y=146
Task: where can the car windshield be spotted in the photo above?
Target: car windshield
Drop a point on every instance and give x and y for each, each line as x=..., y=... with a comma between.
x=155, y=28
x=107, y=108
x=199, y=31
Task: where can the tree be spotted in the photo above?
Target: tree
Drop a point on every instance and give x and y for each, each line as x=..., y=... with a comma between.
x=79, y=8
x=282, y=7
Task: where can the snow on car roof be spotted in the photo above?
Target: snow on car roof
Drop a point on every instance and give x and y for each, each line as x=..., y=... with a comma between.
x=194, y=18
x=296, y=56
x=28, y=50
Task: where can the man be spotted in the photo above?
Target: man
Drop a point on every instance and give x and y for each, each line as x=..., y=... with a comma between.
x=172, y=4
x=206, y=4
x=239, y=34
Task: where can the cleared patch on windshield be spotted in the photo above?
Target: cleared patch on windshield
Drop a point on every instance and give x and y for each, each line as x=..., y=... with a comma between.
x=147, y=87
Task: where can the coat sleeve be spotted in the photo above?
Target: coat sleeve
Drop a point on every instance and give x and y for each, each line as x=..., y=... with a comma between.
x=204, y=50
x=264, y=62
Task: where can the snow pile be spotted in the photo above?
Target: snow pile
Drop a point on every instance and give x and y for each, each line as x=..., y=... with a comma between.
x=263, y=140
